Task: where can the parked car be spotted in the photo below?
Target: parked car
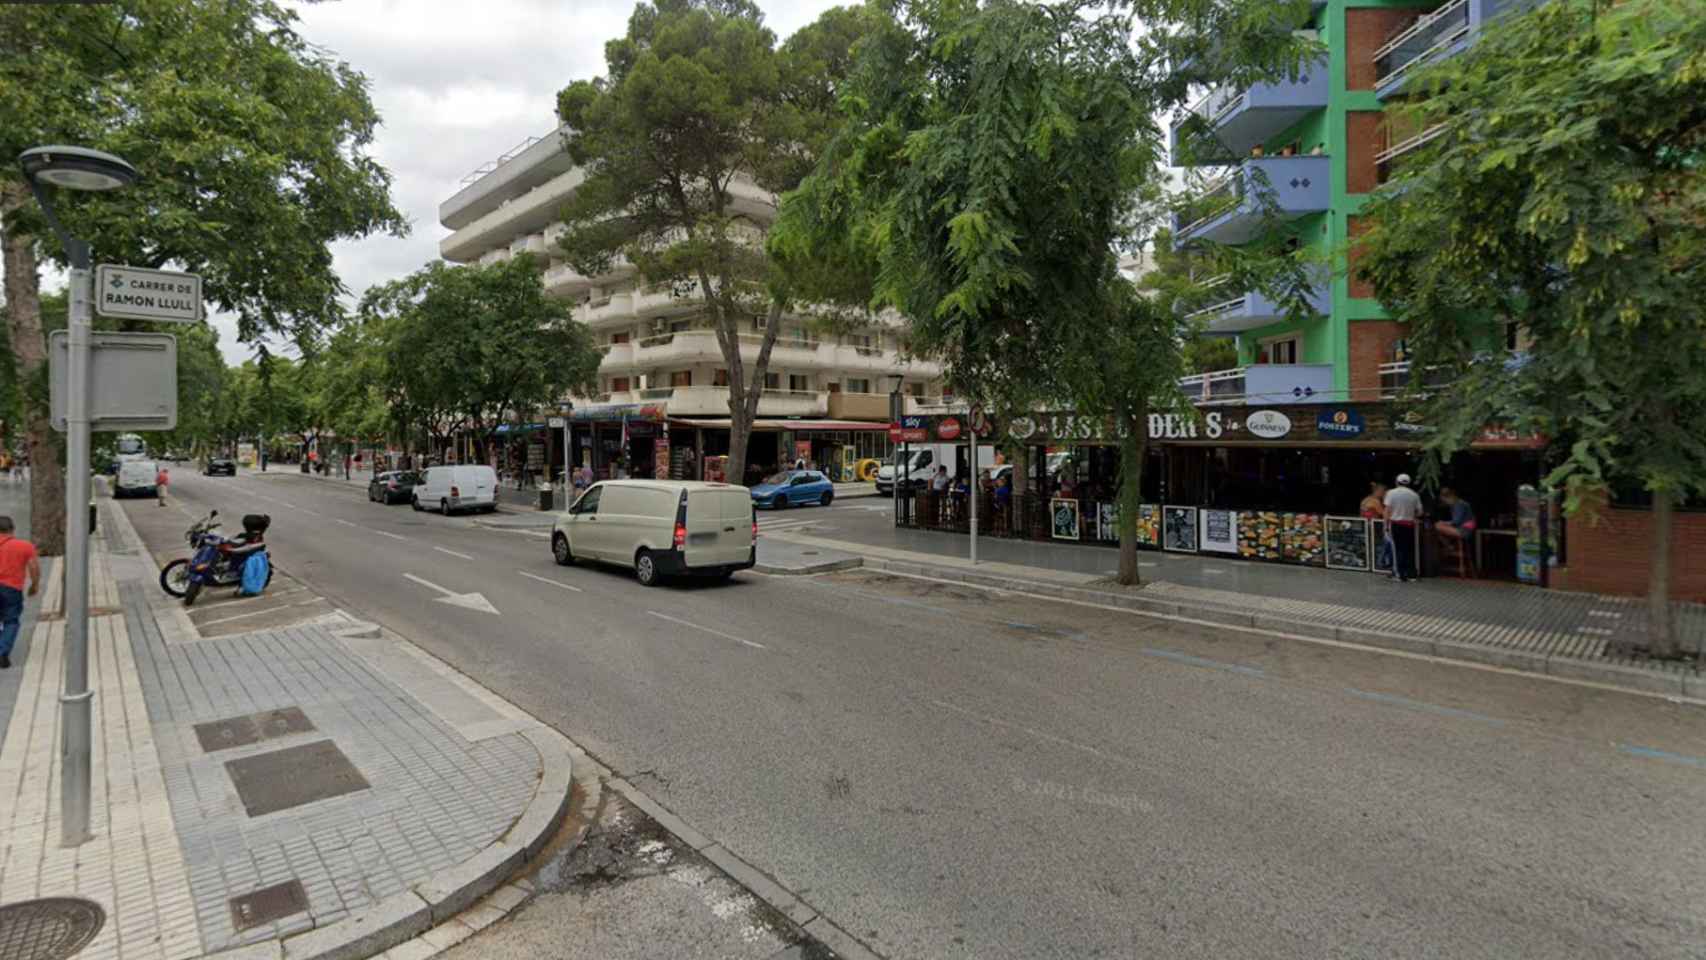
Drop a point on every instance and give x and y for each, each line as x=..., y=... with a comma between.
x=219, y=467
x=393, y=486
x=793, y=488
x=136, y=479
x=458, y=487
x=661, y=528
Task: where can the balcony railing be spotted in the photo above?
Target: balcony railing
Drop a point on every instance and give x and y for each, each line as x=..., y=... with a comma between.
x=1386, y=161
x=1218, y=197
x=1215, y=387
x=657, y=393
x=1421, y=41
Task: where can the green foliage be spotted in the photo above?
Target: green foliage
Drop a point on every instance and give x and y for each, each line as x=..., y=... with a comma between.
x=1565, y=195
x=450, y=347
x=251, y=142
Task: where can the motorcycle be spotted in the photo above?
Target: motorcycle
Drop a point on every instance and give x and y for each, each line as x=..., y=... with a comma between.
x=214, y=560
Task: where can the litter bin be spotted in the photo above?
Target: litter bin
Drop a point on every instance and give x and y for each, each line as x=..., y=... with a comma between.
x=547, y=499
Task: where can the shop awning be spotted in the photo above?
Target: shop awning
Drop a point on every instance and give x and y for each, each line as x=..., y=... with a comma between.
x=519, y=427
x=778, y=425
x=614, y=412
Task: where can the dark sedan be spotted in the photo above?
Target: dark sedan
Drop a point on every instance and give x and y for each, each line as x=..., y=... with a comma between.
x=220, y=467
x=393, y=486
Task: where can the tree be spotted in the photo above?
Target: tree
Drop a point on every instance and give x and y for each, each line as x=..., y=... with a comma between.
x=699, y=120
x=251, y=143
x=995, y=158
x=475, y=346
x=1177, y=286
x=1564, y=194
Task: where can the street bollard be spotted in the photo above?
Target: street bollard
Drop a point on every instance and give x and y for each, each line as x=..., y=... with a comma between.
x=547, y=500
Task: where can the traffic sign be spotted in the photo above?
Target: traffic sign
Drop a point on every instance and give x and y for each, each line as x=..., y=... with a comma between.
x=139, y=294
x=980, y=425
x=894, y=432
x=133, y=380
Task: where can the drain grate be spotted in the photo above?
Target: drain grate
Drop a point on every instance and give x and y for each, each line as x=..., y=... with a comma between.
x=268, y=904
x=270, y=782
x=50, y=929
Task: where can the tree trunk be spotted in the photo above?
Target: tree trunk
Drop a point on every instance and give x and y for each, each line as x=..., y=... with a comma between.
x=29, y=350
x=1661, y=637
x=1021, y=485
x=1132, y=446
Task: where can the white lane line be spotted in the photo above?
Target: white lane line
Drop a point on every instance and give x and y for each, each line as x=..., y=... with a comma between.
x=311, y=513
x=391, y=535
x=554, y=583
x=345, y=522
x=719, y=633
x=453, y=553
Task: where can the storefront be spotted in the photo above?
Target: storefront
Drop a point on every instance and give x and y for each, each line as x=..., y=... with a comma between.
x=1278, y=484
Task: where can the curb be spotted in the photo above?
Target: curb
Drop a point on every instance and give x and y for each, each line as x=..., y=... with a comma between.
x=1665, y=679
x=827, y=566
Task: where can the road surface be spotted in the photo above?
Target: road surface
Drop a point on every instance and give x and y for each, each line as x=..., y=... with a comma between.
x=952, y=772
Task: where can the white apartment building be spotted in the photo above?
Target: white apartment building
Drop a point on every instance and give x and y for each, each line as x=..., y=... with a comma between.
x=661, y=356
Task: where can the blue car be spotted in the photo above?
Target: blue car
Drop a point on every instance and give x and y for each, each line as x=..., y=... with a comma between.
x=792, y=488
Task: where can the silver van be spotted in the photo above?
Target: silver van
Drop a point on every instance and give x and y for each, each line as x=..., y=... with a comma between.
x=661, y=528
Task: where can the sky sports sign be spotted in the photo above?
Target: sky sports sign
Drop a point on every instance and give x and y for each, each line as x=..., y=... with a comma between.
x=1339, y=423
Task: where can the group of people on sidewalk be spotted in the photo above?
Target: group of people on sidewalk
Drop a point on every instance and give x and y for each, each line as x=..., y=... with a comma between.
x=1401, y=508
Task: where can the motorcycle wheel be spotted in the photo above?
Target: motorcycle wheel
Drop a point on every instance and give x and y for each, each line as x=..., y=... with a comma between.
x=175, y=577
x=191, y=591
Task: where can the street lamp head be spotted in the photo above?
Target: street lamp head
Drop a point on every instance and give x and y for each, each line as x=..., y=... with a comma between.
x=76, y=168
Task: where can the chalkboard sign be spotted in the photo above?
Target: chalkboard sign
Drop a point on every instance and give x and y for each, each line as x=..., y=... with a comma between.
x=1063, y=519
x=1348, y=544
x=1219, y=531
x=1179, y=529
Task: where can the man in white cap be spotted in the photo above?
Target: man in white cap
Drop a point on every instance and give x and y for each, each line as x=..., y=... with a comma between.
x=1403, y=510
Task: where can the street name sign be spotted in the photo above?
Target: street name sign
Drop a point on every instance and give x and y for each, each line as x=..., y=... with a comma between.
x=557, y=423
x=133, y=380
x=138, y=294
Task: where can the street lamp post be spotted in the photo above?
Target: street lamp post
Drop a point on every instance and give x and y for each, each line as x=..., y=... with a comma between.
x=75, y=168
x=564, y=409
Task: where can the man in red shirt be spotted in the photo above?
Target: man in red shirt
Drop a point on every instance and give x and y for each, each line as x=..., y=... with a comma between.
x=17, y=561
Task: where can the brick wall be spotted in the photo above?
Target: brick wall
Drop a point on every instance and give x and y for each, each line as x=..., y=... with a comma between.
x=1364, y=139
x=1371, y=346
x=1610, y=556
x=1355, y=227
x=1366, y=29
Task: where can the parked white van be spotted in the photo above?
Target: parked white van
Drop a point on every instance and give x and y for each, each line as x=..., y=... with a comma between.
x=660, y=527
x=465, y=487
x=136, y=479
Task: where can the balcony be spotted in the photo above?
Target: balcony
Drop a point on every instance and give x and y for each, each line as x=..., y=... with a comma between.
x=1250, y=310
x=1395, y=379
x=1241, y=119
x=859, y=406
x=1231, y=213
x=660, y=300
x=1443, y=32
x=617, y=357
x=1261, y=384
x=523, y=167
x=713, y=401
x=1387, y=161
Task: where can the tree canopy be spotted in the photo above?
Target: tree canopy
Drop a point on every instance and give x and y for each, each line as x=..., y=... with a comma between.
x=1563, y=194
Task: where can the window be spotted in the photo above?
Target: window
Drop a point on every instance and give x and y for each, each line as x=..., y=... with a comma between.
x=1516, y=340
x=588, y=503
x=915, y=390
x=618, y=384
x=772, y=381
x=860, y=340
x=676, y=326
x=681, y=378
x=1282, y=350
x=799, y=383
x=619, y=337
x=858, y=386
x=720, y=378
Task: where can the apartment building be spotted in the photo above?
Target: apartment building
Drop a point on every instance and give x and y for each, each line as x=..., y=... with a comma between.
x=663, y=377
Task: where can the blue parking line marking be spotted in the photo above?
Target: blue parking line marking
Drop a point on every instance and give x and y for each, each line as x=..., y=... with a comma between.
x=1653, y=754
x=1395, y=701
x=1203, y=662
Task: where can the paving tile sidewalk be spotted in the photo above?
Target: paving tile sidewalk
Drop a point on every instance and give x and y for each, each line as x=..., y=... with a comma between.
x=1527, y=621
x=445, y=775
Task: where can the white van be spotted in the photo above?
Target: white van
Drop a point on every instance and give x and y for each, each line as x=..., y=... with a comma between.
x=924, y=458
x=660, y=527
x=467, y=487
x=136, y=479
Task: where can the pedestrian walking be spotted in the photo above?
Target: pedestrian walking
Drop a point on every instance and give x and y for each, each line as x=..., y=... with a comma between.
x=1403, y=510
x=18, y=563
x=161, y=479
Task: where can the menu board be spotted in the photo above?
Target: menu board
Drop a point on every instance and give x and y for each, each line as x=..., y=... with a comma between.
x=1063, y=519
x=1348, y=545
x=1302, y=540
x=1259, y=535
x=1219, y=531
x=1148, y=525
x=1179, y=529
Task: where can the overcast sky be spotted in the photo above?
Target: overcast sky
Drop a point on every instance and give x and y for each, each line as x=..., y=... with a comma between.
x=457, y=85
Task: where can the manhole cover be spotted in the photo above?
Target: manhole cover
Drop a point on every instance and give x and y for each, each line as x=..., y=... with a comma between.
x=50, y=929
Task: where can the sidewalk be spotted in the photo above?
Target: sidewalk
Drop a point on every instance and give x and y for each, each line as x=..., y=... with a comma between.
x=315, y=791
x=1549, y=631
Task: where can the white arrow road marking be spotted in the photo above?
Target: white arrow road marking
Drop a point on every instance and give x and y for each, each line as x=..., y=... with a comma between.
x=554, y=583
x=470, y=601
x=718, y=633
x=453, y=553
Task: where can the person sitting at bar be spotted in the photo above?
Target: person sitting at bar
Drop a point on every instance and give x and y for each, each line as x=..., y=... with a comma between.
x=1373, y=506
x=1461, y=525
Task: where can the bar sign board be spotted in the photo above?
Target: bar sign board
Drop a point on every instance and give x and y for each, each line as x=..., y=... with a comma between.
x=138, y=294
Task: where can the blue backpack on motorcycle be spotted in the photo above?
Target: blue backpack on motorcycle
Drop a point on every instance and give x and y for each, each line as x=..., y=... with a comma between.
x=255, y=575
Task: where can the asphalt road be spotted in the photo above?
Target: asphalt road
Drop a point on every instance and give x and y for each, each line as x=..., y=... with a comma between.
x=950, y=772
